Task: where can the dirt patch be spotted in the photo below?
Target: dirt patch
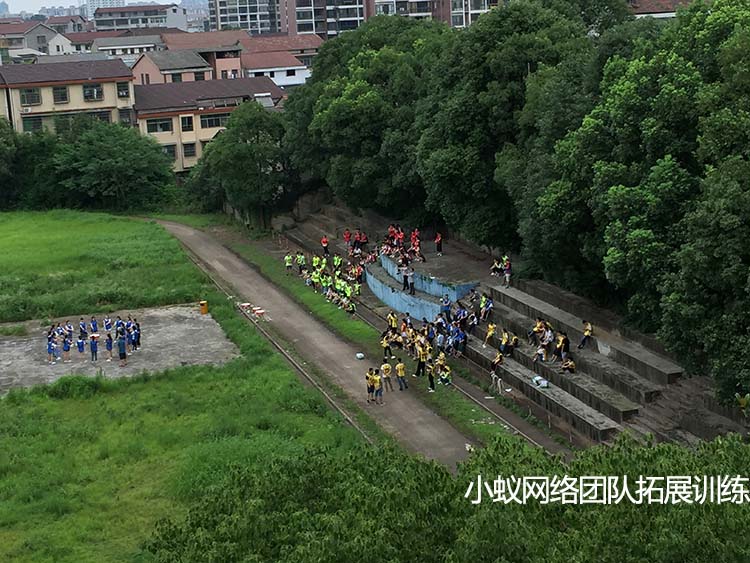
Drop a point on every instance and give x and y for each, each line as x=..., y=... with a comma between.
x=171, y=337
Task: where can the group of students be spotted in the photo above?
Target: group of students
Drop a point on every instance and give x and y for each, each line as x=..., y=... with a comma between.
x=127, y=339
x=554, y=346
x=338, y=283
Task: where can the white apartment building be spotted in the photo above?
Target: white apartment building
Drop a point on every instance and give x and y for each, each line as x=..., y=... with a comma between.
x=147, y=15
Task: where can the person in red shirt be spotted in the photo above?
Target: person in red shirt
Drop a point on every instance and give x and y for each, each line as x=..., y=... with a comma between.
x=324, y=244
x=439, y=244
x=347, y=237
x=357, y=238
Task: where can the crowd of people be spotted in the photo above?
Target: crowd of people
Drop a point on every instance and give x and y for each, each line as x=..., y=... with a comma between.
x=126, y=339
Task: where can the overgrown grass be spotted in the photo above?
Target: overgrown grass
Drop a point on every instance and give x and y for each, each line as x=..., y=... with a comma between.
x=59, y=263
x=463, y=413
x=87, y=466
x=13, y=330
x=195, y=220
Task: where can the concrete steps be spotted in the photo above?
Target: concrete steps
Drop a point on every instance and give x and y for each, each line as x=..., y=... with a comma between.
x=632, y=355
x=599, y=367
x=553, y=399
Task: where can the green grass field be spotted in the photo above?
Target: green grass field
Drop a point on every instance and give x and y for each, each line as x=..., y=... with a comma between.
x=65, y=262
x=89, y=466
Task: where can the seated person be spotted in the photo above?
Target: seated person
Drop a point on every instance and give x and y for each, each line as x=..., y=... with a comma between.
x=569, y=365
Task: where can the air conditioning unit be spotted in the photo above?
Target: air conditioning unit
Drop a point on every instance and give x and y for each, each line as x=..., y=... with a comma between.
x=25, y=110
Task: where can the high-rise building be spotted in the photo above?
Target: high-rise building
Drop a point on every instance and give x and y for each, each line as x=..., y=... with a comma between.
x=92, y=5
x=255, y=16
x=4, y=9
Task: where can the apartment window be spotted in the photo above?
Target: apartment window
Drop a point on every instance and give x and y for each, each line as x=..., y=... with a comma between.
x=188, y=150
x=31, y=124
x=31, y=97
x=125, y=117
x=215, y=120
x=200, y=76
x=101, y=116
x=163, y=125
x=41, y=39
x=170, y=151
x=60, y=94
x=123, y=90
x=224, y=74
x=292, y=72
x=93, y=92
x=186, y=123
x=177, y=77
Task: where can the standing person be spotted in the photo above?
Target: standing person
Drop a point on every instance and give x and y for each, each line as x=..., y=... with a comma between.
x=386, y=369
x=300, y=262
x=81, y=343
x=431, y=375
x=588, y=330
x=107, y=324
x=94, y=325
x=108, y=344
x=288, y=262
x=94, y=347
x=137, y=327
x=392, y=320
x=506, y=273
x=401, y=375
x=421, y=361
x=69, y=330
x=122, y=350
x=404, y=276
x=347, y=237
x=410, y=276
x=385, y=342
x=83, y=328
x=51, y=350
x=439, y=243
x=377, y=385
x=67, y=343
x=445, y=307
x=324, y=244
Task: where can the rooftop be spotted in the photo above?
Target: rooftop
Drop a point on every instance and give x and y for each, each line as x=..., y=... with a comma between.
x=133, y=8
x=176, y=60
x=204, y=40
x=63, y=72
x=181, y=95
x=90, y=36
x=280, y=42
x=645, y=7
x=126, y=40
x=280, y=59
x=63, y=19
x=72, y=58
x=17, y=28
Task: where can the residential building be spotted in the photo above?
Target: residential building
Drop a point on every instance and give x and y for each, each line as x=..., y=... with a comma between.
x=284, y=69
x=255, y=16
x=184, y=117
x=147, y=15
x=4, y=9
x=220, y=49
x=66, y=24
x=34, y=35
x=33, y=96
x=128, y=48
x=71, y=58
x=661, y=9
x=163, y=67
x=465, y=12
x=93, y=5
x=304, y=47
x=81, y=42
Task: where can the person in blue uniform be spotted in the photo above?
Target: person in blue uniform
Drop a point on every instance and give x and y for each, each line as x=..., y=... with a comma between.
x=122, y=350
x=67, y=342
x=94, y=325
x=51, y=351
x=94, y=347
x=83, y=328
x=107, y=324
x=81, y=343
x=109, y=343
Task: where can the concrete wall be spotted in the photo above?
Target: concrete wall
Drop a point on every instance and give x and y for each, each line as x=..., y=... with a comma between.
x=402, y=302
x=146, y=67
x=426, y=284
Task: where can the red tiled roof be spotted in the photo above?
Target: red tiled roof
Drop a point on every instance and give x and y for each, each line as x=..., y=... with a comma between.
x=270, y=43
x=280, y=59
x=645, y=7
x=139, y=8
x=63, y=19
x=16, y=28
x=11, y=20
x=204, y=40
x=63, y=72
x=162, y=97
x=90, y=36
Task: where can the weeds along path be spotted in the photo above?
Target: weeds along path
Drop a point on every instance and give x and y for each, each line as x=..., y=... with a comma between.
x=404, y=416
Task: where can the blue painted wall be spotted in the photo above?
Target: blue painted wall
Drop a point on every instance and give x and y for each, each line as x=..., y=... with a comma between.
x=426, y=284
x=401, y=301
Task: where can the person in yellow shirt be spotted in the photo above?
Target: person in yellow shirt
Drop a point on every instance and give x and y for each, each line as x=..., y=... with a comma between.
x=370, y=385
x=422, y=356
x=514, y=342
x=401, y=375
x=430, y=375
x=377, y=384
x=392, y=320
x=445, y=376
x=588, y=331
x=490, y=333
x=536, y=331
x=496, y=363
x=385, y=342
x=568, y=365
x=386, y=370
x=504, y=341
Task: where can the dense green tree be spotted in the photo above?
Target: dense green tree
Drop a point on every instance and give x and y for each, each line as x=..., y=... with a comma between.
x=112, y=166
x=245, y=162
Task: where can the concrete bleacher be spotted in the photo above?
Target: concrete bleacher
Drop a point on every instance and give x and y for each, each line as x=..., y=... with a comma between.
x=632, y=355
x=623, y=379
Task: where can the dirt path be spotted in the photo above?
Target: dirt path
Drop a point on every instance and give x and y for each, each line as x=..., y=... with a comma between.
x=404, y=416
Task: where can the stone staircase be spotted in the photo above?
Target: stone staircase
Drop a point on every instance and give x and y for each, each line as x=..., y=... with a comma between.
x=620, y=384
